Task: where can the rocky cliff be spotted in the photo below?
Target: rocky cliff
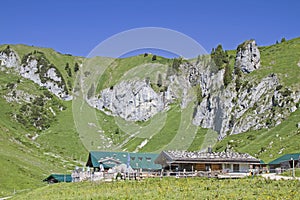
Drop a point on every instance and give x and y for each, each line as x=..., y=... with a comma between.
x=247, y=56
x=245, y=103
x=131, y=100
x=36, y=67
x=242, y=105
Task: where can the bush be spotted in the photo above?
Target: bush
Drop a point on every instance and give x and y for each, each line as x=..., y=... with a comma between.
x=251, y=137
x=153, y=57
x=159, y=80
x=199, y=94
x=227, y=75
x=176, y=63
x=68, y=70
x=76, y=67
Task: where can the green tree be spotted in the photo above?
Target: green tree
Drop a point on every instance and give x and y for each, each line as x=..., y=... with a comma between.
x=68, y=70
x=159, y=80
x=283, y=40
x=76, y=67
x=219, y=57
x=199, y=94
x=153, y=57
x=238, y=80
x=227, y=75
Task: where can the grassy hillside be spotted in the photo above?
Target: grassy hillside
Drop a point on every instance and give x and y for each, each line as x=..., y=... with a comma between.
x=28, y=152
x=119, y=67
x=282, y=59
x=23, y=162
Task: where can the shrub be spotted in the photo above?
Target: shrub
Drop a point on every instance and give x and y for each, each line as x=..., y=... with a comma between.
x=68, y=70
x=199, y=94
x=159, y=80
x=227, y=75
x=76, y=67
x=153, y=57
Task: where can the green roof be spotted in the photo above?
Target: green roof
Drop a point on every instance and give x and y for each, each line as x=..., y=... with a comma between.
x=137, y=160
x=286, y=157
x=262, y=162
x=59, y=178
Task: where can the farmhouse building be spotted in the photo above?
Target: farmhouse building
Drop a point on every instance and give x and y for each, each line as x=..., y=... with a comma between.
x=206, y=161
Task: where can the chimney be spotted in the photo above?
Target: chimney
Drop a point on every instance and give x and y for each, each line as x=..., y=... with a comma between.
x=209, y=149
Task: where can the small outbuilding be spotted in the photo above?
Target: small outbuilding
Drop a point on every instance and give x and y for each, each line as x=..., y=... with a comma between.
x=56, y=178
x=285, y=162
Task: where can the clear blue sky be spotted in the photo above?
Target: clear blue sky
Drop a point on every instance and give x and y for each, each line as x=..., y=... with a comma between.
x=76, y=27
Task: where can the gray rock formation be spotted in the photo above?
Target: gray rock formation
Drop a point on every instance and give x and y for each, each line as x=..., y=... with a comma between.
x=32, y=69
x=247, y=57
x=50, y=79
x=255, y=106
x=131, y=100
x=9, y=59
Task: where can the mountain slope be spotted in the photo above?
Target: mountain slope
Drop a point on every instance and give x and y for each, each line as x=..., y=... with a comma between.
x=41, y=132
x=36, y=134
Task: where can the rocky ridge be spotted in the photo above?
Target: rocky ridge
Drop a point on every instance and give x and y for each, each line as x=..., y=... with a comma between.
x=135, y=101
x=36, y=67
x=253, y=105
x=243, y=105
x=240, y=106
x=247, y=57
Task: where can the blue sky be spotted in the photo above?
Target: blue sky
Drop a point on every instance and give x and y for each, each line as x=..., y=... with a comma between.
x=76, y=27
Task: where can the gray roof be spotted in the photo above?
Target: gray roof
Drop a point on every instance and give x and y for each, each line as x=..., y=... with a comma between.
x=213, y=157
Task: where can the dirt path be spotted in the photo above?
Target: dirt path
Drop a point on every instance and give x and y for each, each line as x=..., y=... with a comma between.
x=4, y=198
x=278, y=177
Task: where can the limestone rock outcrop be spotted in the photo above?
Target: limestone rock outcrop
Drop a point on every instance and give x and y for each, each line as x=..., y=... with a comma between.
x=247, y=57
x=131, y=100
x=39, y=70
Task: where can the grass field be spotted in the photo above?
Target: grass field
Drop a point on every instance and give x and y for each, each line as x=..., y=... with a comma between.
x=290, y=173
x=170, y=188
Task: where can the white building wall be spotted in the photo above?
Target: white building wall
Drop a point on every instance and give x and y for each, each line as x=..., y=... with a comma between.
x=244, y=167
